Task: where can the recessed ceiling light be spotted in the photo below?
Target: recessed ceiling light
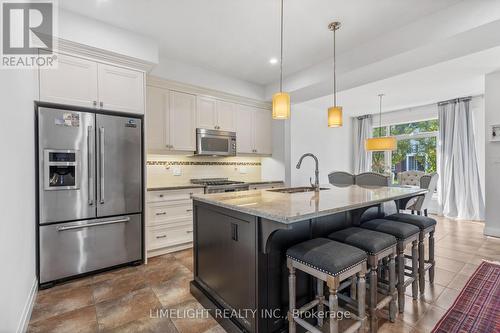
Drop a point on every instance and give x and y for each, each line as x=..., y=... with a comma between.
x=273, y=61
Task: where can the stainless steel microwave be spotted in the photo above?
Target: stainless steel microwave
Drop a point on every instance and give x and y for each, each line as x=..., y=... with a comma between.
x=215, y=143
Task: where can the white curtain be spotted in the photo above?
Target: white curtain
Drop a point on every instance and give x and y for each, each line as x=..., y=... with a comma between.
x=460, y=191
x=362, y=130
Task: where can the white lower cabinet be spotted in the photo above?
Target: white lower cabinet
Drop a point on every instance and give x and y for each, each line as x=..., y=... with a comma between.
x=169, y=220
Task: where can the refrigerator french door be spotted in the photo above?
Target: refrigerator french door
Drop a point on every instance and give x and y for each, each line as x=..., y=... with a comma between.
x=90, y=192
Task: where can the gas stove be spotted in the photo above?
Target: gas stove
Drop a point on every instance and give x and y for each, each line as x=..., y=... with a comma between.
x=218, y=185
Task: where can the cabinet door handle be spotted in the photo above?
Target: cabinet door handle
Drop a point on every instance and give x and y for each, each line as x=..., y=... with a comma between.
x=94, y=103
x=189, y=231
x=162, y=236
x=234, y=232
x=189, y=210
x=101, y=104
x=162, y=213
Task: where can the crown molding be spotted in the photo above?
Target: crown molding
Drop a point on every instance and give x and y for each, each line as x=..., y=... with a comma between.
x=67, y=46
x=154, y=81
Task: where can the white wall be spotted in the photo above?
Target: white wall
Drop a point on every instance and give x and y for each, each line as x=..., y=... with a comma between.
x=181, y=72
x=87, y=31
x=309, y=133
x=17, y=197
x=274, y=168
x=492, y=152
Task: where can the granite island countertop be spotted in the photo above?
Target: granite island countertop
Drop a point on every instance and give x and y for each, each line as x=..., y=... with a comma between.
x=289, y=208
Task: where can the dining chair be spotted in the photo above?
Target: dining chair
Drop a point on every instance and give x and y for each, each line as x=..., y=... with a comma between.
x=411, y=177
x=372, y=179
x=341, y=178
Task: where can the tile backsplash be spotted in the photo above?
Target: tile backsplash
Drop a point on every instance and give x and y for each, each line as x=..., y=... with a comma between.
x=165, y=170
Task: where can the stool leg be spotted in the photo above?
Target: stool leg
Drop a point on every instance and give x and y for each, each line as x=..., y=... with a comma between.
x=401, y=277
x=414, y=269
x=361, y=299
x=421, y=263
x=320, y=297
x=353, y=287
x=291, y=300
x=392, y=288
x=333, y=303
x=431, y=257
x=373, y=299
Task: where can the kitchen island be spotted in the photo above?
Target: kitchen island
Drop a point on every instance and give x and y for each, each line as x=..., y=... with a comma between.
x=240, y=240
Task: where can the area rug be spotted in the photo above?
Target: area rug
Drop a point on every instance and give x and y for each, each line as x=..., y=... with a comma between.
x=477, y=307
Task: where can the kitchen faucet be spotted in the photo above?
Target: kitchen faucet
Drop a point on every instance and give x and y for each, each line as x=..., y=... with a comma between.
x=316, y=171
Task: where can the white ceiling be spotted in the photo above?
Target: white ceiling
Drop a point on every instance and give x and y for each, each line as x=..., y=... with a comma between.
x=455, y=78
x=238, y=37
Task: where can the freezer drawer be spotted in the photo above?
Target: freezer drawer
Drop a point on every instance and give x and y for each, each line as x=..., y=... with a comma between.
x=72, y=248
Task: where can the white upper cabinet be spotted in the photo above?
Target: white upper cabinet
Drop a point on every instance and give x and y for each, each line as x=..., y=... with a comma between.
x=215, y=114
x=74, y=82
x=226, y=114
x=182, y=121
x=120, y=89
x=263, y=131
x=206, y=114
x=158, y=119
x=88, y=83
x=253, y=130
x=244, y=130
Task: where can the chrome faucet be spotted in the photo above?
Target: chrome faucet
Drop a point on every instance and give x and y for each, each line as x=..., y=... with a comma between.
x=316, y=171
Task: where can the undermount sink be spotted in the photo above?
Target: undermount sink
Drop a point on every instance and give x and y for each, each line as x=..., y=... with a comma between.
x=296, y=189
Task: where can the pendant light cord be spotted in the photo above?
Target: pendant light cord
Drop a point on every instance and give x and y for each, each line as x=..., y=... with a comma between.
x=380, y=116
x=334, y=71
x=281, y=55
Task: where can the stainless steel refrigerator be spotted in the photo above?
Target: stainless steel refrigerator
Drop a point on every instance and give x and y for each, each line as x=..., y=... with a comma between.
x=90, y=187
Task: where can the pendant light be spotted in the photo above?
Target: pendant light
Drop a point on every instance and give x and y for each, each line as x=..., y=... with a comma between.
x=281, y=100
x=334, y=112
x=386, y=143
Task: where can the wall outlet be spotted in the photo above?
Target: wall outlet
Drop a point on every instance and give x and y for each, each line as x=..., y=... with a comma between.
x=176, y=170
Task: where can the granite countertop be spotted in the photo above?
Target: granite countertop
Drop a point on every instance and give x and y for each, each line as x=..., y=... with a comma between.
x=189, y=185
x=265, y=182
x=289, y=208
x=174, y=187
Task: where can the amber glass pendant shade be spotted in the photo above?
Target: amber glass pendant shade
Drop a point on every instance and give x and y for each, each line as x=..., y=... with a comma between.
x=335, y=116
x=281, y=105
x=387, y=143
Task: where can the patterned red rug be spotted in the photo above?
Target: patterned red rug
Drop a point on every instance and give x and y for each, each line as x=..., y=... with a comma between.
x=477, y=308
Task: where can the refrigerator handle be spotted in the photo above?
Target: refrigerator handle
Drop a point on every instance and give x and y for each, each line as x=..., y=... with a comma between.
x=90, y=180
x=101, y=164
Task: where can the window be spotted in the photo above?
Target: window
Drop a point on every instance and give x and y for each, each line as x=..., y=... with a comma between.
x=416, y=150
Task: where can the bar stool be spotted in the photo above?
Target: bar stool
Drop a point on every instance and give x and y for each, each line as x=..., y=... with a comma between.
x=331, y=262
x=405, y=234
x=378, y=246
x=427, y=226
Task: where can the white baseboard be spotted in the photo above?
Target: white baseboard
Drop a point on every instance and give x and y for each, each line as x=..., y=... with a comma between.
x=494, y=232
x=28, y=308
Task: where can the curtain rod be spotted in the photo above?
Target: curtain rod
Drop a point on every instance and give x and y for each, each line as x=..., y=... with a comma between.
x=455, y=100
x=364, y=117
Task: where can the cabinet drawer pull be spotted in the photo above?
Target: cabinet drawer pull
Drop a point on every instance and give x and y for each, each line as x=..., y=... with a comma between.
x=161, y=195
x=189, y=231
x=162, y=236
x=162, y=213
x=189, y=210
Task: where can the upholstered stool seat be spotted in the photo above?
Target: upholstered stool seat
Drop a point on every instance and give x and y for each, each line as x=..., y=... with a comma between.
x=325, y=255
x=405, y=234
x=397, y=229
x=422, y=222
x=331, y=262
x=368, y=240
x=427, y=226
x=379, y=247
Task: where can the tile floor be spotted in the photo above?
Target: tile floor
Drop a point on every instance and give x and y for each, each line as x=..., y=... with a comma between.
x=120, y=300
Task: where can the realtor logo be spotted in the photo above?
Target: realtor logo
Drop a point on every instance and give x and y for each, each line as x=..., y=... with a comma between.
x=26, y=28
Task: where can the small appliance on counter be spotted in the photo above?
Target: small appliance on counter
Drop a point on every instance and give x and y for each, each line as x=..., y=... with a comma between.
x=90, y=185
x=219, y=185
